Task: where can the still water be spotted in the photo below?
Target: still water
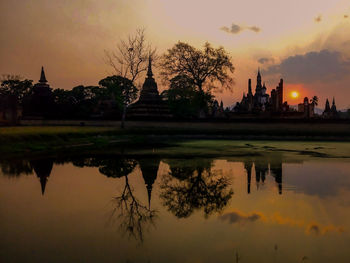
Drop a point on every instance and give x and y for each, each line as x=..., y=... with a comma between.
x=159, y=208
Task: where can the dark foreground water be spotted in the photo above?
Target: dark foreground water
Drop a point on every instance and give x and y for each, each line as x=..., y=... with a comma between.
x=151, y=208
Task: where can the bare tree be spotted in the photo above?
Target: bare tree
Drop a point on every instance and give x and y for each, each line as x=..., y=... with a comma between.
x=130, y=58
x=133, y=215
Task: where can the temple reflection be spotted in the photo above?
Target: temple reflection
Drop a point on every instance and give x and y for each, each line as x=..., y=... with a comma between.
x=194, y=174
x=42, y=169
x=149, y=169
x=263, y=167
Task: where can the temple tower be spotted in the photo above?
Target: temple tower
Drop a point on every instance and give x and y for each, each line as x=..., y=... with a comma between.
x=150, y=104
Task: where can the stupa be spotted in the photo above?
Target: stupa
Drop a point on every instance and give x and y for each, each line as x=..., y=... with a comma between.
x=150, y=105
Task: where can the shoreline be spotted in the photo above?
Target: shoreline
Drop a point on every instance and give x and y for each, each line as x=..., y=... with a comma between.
x=28, y=139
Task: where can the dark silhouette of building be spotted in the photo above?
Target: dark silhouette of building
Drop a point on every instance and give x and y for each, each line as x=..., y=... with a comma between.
x=262, y=169
x=150, y=103
x=248, y=167
x=306, y=108
x=261, y=101
x=330, y=112
x=149, y=170
x=10, y=110
x=41, y=102
x=42, y=169
x=276, y=171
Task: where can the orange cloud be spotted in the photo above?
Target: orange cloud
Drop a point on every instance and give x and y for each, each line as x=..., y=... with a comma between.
x=317, y=229
x=313, y=228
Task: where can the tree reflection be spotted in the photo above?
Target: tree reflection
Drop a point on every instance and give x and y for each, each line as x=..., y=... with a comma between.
x=191, y=185
x=130, y=212
x=133, y=215
x=16, y=167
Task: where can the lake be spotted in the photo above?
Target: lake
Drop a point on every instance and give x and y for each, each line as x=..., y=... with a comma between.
x=202, y=201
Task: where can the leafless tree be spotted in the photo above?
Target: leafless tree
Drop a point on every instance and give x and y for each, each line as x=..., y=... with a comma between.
x=133, y=215
x=130, y=58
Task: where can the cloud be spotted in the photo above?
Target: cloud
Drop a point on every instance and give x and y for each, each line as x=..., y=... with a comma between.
x=316, y=229
x=236, y=29
x=313, y=228
x=318, y=19
x=254, y=28
x=323, y=66
x=240, y=217
x=346, y=16
x=265, y=60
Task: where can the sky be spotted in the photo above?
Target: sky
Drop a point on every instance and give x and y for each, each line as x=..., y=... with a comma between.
x=304, y=42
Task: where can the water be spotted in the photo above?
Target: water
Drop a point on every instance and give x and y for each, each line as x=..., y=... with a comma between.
x=147, y=207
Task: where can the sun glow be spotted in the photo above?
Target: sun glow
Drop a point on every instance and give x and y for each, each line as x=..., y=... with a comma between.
x=294, y=94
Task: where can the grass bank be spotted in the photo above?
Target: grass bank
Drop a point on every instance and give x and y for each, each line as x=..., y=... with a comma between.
x=54, y=138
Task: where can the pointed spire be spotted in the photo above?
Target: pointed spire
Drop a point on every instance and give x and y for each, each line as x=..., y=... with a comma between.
x=259, y=75
x=333, y=102
x=327, y=107
x=42, y=76
x=43, y=181
x=149, y=71
x=250, y=87
x=149, y=193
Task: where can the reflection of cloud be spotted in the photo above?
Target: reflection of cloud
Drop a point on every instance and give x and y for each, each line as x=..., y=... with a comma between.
x=318, y=19
x=324, y=66
x=241, y=217
x=313, y=228
x=316, y=229
x=236, y=29
x=323, y=181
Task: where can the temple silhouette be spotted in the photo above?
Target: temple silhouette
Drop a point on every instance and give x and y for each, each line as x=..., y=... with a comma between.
x=261, y=104
x=263, y=168
x=150, y=103
x=42, y=169
x=261, y=101
x=149, y=171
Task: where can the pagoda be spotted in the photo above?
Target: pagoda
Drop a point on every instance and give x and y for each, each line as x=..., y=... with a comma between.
x=41, y=101
x=150, y=104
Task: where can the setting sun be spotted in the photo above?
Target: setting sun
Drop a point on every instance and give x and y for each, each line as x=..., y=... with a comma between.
x=294, y=94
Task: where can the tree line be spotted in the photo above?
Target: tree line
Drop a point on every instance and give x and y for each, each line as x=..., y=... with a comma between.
x=191, y=74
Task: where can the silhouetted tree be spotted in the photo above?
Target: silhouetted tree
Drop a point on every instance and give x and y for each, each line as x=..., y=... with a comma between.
x=130, y=59
x=16, y=167
x=182, y=193
x=314, y=100
x=15, y=85
x=128, y=210
x=184, y=99
x=123, y=91
x=204, y=67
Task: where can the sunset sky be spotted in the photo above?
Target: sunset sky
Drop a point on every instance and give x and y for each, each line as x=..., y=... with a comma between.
x=305, y=42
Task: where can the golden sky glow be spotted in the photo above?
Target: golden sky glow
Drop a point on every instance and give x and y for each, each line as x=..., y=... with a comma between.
x=69, y=38
x=294, y=94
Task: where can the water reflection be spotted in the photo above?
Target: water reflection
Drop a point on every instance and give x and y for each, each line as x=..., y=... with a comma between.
x=132, y=215
x=262, y=169
x=188, y=180
x=234, y=202
x=192, y=185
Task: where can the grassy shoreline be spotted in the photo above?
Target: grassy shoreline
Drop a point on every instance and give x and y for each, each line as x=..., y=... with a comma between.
x=26, y=139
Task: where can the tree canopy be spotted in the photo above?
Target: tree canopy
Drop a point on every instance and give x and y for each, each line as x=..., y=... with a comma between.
x=206, y=68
